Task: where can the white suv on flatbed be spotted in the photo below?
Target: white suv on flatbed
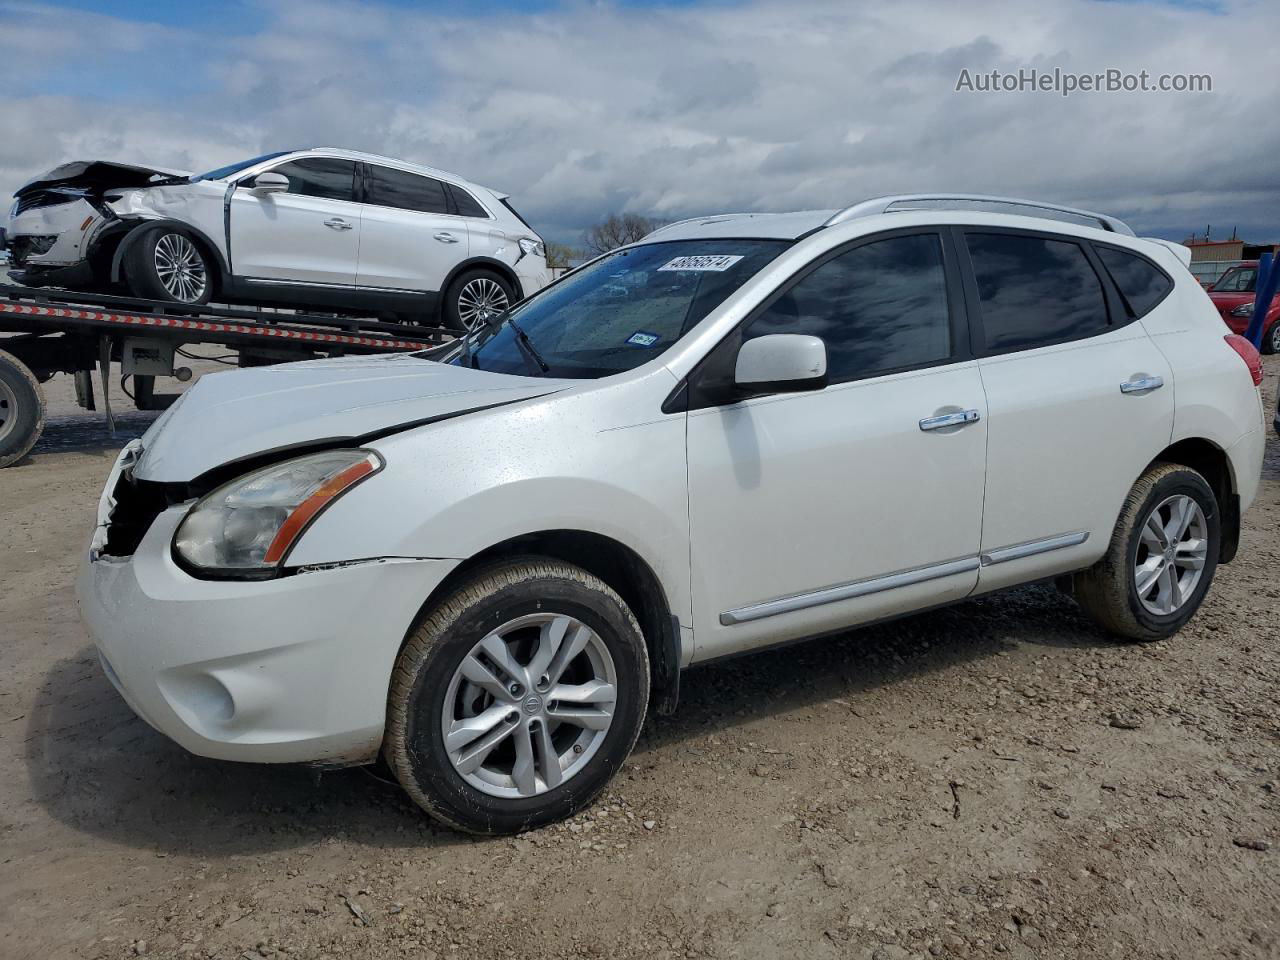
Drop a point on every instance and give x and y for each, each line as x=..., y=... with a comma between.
x=742, y=430
x=323, y=227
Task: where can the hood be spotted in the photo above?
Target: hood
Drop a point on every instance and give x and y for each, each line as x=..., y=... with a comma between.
x=230, y=416
x=1229, y=301
x=100, y=175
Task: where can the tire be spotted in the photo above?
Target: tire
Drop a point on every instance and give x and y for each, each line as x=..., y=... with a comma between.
x=1271, y=339
x=428, y=680
x=1109, y=591
x=21, y=409
x=475, y=288
x=166, y=264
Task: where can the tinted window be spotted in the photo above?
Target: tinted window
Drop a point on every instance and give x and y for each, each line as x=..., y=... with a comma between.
x=324, y=177
x=1141, y=282
x=467, y=205
x=1035, y=291
x=407, y=191
x=881, y=306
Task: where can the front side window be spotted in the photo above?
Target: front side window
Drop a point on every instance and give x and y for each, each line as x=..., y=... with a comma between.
x=1035, y=291
x=1237, y=280
x=1141, y=282
x=622, y=311
x=405, y=191
x=879, y=307
x=327, y=178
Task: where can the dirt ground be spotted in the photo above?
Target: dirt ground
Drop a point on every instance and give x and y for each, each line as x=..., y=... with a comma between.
x=998, y=778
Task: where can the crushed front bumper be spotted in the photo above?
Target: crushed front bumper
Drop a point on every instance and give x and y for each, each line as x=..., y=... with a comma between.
x=289, y=670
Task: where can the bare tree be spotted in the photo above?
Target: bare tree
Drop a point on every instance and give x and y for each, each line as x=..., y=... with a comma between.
x=617, y=229
x=559, y=255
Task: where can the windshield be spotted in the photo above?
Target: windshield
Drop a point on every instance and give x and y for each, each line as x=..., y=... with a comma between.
x=621, y=311
x=1237, y=280
x=228, y=170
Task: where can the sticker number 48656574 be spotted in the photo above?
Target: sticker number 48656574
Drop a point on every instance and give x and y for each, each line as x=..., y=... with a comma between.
x=714, y=264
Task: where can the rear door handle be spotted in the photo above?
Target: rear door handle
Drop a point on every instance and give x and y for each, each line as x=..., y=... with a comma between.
x=957, y=419
x=446, y=238
x=1142, y=384
x=337, y=223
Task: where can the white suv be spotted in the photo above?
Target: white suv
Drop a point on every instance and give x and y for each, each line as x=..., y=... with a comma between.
x=323, y=228
x=740, y=431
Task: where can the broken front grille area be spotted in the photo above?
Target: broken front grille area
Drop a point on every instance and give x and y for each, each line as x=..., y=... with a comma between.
x=29, y=245
x=44, y=198
x=138, y=503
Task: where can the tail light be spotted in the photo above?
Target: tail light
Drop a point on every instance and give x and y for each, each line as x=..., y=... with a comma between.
x=1249, y=354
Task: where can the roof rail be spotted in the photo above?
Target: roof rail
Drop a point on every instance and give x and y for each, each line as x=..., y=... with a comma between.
x=966, y=201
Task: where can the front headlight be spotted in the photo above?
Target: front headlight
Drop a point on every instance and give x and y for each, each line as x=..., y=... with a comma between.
x=247, y=527
x=532, y=247
x=1244, y=310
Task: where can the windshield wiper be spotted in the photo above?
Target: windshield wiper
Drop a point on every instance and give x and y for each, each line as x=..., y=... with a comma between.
x=523, y=342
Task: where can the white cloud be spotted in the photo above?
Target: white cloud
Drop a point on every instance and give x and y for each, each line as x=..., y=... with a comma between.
x=676, y=111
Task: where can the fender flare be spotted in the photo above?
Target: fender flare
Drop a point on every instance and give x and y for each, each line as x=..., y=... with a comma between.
x=488, y=263
x=135, y=233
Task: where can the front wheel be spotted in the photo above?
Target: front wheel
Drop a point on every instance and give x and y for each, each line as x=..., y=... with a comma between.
x=166, y=264
x=517, y=698
x=1161, y=560
x=474, y=298
x=1271, y=339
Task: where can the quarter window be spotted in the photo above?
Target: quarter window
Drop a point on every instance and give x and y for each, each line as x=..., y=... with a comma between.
x=879, y=307
x=1035, y=291
x=326, y=177
x=406, y=191
x=466, y=204
x=1141, y=282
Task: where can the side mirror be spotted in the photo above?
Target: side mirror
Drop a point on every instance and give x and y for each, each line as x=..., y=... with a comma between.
x=781, y=363
x=270, y=183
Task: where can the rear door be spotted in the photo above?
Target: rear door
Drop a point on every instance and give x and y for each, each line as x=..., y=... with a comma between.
x=410, y=239
x=311, y=234
x=1080, y=400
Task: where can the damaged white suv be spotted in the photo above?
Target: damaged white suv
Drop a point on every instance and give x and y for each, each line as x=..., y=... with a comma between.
x=740, y=431
x=320, y=228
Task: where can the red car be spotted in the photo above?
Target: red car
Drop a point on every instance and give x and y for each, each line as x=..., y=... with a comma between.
x=1234, y=294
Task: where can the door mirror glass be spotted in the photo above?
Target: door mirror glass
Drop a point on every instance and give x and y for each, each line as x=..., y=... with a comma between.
x=782, y=363
x=270, y=182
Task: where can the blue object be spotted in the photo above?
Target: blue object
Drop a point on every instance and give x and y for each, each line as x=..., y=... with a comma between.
x=1265, y=292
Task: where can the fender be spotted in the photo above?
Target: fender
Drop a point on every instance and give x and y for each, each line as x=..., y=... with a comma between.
x=490, y=263
x=135, y=232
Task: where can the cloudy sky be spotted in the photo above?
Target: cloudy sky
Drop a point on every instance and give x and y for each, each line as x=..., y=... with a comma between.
x=672, y=109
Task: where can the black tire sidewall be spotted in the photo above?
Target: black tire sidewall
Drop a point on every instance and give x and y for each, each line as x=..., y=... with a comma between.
x=29, y=419
x=429, y=763
x=1192, y=484
x=1269, y=338
x=452, y=320
x=140, y=266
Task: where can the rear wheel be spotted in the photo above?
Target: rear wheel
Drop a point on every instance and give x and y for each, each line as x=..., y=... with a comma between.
x=474, y=298
x=1161, y=560
x=517, y=698
x=21, y=409
x=167, y=264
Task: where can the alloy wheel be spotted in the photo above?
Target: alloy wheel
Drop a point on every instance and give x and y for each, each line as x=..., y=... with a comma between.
x=479, y=300
x=8, y=410
x=1172, y=547
x=529, y=705
x=1275, y=337
x=180, y=268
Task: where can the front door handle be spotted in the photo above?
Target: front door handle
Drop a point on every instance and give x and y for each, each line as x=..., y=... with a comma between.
x=957, y=419
x=1142, y=384
x=446, y=238
x=337, y=223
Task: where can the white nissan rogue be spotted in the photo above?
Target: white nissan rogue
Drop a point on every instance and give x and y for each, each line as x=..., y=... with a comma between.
x=740, y=431
x=323, y=227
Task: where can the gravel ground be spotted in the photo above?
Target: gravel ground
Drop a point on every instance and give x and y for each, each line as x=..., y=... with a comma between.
x=998, y=778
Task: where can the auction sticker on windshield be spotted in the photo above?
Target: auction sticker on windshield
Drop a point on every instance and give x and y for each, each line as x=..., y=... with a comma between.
x=714, y=264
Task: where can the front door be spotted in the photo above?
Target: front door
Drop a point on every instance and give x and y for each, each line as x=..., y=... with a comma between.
x=309, y=235
x=814, y=511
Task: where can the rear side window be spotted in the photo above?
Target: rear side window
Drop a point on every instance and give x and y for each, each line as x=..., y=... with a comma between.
x=879, y=307
x=406, y=191
x=1141, y=282
x=1035, y=291
x=466, y=203
x=326, y=177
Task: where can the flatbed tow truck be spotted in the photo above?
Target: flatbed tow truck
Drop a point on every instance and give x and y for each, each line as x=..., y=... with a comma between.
x=47, y=331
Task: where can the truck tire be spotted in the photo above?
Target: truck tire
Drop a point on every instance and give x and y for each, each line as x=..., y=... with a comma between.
x=21, y=409
x=164, y=263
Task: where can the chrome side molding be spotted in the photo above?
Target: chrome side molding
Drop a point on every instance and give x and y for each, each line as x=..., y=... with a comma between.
x=1033, y=547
